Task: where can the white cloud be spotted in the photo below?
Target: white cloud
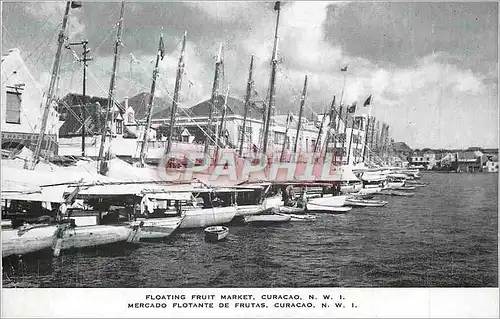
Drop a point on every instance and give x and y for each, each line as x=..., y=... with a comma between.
x=52, y=12
x=224, y=10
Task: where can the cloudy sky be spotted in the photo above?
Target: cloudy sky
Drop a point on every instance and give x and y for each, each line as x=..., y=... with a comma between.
x=432, y=68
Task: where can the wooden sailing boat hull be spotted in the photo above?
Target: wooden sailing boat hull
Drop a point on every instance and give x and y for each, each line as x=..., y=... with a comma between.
x=200, y=218
x=90, y=236
x=156, y=228
x=19, y=242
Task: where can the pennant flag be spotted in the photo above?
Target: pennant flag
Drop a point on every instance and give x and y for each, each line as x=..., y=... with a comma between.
x=368, y=101
x=76, y=4
x=344, y=69
x=277, y=6
x=352, y=108
x=161, y=47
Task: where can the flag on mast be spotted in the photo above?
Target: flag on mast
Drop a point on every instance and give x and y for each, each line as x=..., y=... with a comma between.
x=76, y=4
x=368, y=101
x=277, y=6
x=344, y=69
x=161, y=47
x=352, y=108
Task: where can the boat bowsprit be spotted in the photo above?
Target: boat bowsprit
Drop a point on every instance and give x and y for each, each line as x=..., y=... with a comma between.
x=216, y=233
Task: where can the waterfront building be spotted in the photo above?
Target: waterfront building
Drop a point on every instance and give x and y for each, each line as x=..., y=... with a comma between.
x=469, y=161
x=23, y=104
x=490, y=165
x=192, y=125
x=427, y=160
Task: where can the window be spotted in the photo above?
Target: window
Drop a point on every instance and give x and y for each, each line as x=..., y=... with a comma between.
x=279, y=137
x=13, y=111
x=119, y=127
x=130, y=118
x=248, y=132
x=185, y=139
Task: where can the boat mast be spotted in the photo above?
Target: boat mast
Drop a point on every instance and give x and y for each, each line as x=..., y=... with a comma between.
x=150, y=103
x=387, y=144
x=350, y=139
x=371, y=129
x=213, y=99
x=335, y=137
x=331, y=119
x=272, y=88
x=175, y=100
x=247, y=105
x=221, y=126
x=50, y=92
x=289, y=118
x=320, y=132
x=367, y=127
x=301, y=110
x=112, y=88
x=365, y=146
x=377, y=136
x=355, y=153
x=344, y=69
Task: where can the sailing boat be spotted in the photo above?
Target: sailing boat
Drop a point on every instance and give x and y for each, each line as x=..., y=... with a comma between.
x=31, y=238
x=77, y=231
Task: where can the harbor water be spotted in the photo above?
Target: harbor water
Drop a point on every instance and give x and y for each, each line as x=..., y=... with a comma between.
x=444, y=236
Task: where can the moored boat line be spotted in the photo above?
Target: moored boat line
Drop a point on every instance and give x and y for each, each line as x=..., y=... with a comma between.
x=93, y=209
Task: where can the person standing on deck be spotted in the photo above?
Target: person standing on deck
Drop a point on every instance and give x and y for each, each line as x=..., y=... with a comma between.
x=302, y=200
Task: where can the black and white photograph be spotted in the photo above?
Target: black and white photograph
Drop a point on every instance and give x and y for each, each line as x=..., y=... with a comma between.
x=249, y=158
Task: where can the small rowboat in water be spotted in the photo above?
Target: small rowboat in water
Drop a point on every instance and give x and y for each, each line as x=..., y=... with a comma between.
x=414, y=184
x=325, y=208
x=216, y=233
x=289, y=210
x=301, y=217
x=365, y=203
x=396, y=193
x=405, y=188
x=268, y=218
